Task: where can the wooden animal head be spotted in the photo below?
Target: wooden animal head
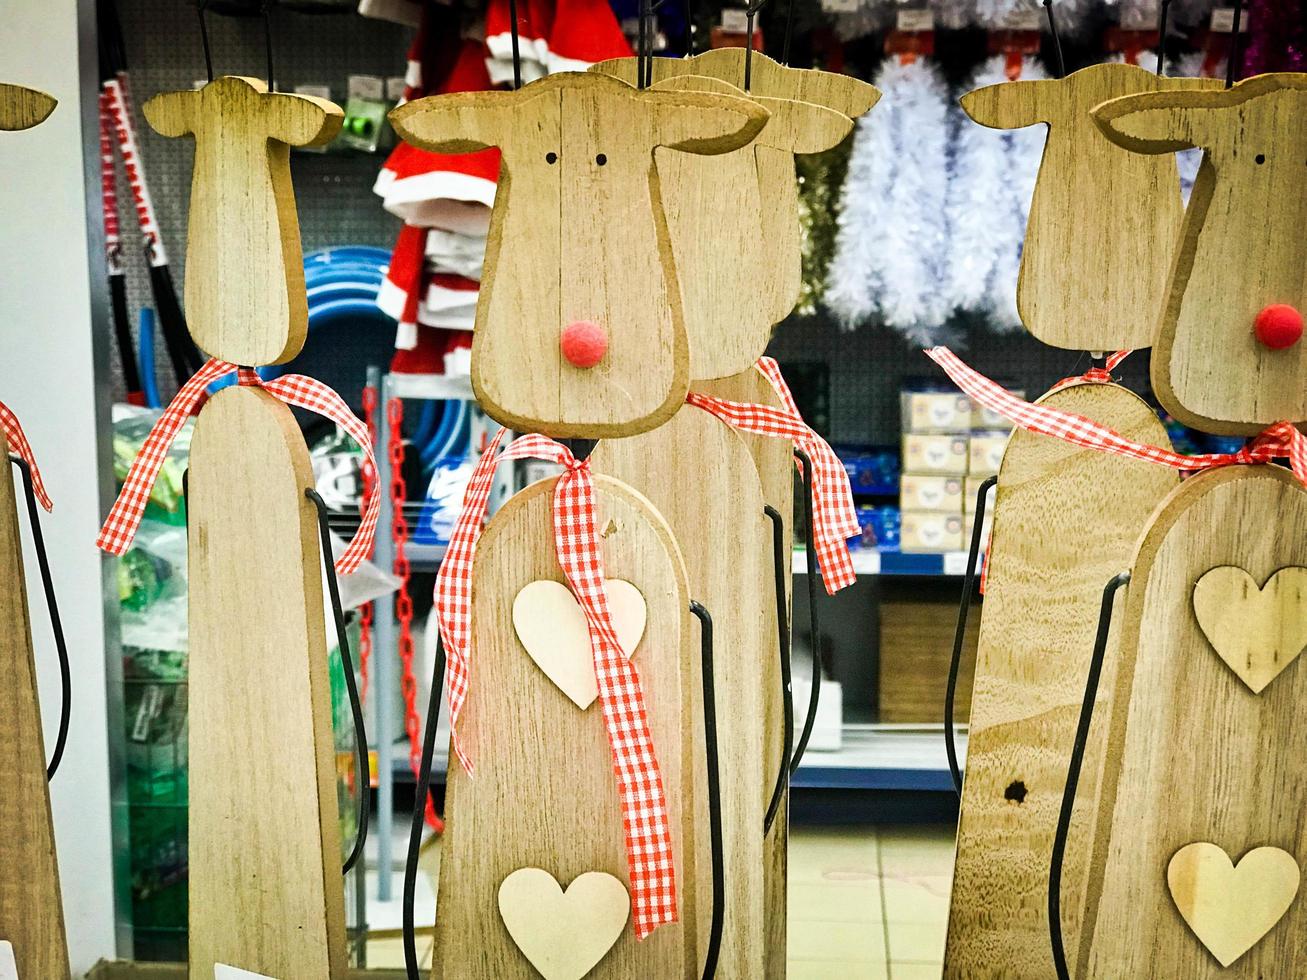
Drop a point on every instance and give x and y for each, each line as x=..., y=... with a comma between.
x=725, y=259
x=1242, y=249
x=806, y=106
x=578, y=241
x=1103, y=222
x=23, y=108
x=245, y=299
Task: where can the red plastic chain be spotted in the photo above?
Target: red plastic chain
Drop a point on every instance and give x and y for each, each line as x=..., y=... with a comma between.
x=366, y=611
x=403, y=601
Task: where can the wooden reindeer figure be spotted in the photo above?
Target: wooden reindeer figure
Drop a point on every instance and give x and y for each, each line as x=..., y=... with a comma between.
x=32, y=942
x=1199, y=837
x=580, y=334
x=265, y=850
x=1111, y=216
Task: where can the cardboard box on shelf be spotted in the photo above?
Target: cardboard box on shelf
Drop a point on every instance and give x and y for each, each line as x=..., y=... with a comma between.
x=985, y=452
x=916, y=641
x=935, y=411
x=931, y=491
x=928, y=532
x=970, y=487
x=983, y=419
x=939, y=453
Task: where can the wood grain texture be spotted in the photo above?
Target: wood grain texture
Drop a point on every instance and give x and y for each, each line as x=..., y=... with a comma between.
x=722, y=233
x=1066, y=520
x=544, y=794
x=31, y=914
x=245, y=300
x=702, y=479
x=23, y=108
x=1241, y=247
x=1119, y=247
x=916, y=643
x=583, y=237
x=1192, y=754
x=774, y=459
x=1259, y=629
x=265, y=849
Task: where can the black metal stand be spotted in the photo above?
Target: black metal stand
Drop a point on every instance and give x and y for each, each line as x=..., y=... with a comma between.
x=714, y=791
x=1073, y=775
x=419, y=809
x=814, y=694
x=780, y=562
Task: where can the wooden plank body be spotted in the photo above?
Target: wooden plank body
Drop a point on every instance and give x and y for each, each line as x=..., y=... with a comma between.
x=31, y=915
x=702, y=479
x=774, y=459
x=1121, y=246
x=543, y=794
x=1241, y=248
x=265, y=849
x=1066, y=520
x=1193, y=755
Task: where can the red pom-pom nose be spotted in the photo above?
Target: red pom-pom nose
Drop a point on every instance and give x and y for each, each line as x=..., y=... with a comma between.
x=1278, y=326
x=584, y=343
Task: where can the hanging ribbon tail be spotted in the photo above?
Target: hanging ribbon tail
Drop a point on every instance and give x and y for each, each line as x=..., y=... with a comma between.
x=1277, y=440
x=19, y=445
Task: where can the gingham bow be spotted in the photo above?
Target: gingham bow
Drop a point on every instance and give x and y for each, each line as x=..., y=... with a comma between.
x=1278, y=440
x=293, y=389
x=834, y=517
x=639, y=782
x=1097, y=375
x=19, y=445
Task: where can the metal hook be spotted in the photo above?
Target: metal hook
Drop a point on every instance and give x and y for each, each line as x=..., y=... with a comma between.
x=513, y=38
x=56, y=625
x=1057, y=40
x=750, y=12
x=1163, y=13
x=265, y=10
x=1235, y=54
x=714, y=790
x=419, y=808
x=351, y=685
x=1073, y=774
x=814, y=695
x=787, y=686
x=204, y=38
x=959, y=634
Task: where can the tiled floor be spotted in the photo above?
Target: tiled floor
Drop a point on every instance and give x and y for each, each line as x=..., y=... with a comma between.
x=866, y=903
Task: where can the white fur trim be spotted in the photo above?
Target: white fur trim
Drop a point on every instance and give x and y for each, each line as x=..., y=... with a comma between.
x=391, y=299
x=406, y=336
x=406, y=12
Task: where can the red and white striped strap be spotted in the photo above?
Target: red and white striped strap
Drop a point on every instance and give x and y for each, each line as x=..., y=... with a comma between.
x=835, y=519
x=576, y=540
x=119, y=108
x=1098, y=375
x=19, y=445
x=294, y=389
x=1278, y=440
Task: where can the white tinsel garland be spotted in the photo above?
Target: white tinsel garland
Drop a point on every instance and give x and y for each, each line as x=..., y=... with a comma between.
x=893, y=228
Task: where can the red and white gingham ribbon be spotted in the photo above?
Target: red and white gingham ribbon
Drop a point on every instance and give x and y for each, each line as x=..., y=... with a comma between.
x=19, y=445
x=294, y=389
x=639, y=781
x=834, y=517
x=1278, y=440
x=1097, y=375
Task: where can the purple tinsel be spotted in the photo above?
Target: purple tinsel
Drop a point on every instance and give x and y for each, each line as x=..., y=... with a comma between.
x=1276, y=38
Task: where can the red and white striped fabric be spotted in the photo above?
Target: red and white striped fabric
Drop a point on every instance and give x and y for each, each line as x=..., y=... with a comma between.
x=19, y=446
x=1098, y=375
x=119, y=108
x=294, y=389
x=834, y=516
x=1282, y=439
x=580, y=556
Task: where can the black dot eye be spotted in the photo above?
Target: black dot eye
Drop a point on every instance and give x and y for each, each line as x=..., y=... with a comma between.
x=1260, y=158
x=601, y=159
x=551, y=157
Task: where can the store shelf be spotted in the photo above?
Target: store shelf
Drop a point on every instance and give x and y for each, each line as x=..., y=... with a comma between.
x=869, y=561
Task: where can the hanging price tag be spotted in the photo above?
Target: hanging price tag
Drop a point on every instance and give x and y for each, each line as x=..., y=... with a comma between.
x=735, y=20
x=8, y=966
x=841, y=6
x=915, y=19
x=1028, y=19
x=1139, y=18
x=1223, y=21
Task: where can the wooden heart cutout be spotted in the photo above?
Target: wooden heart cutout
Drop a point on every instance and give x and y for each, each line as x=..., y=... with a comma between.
x=552, y=628
x=563, y=934
x=1231, y=907
x=1257, y=632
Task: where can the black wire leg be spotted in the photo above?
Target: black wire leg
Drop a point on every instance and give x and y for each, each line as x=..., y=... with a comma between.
x=363, y=770
x=1073, y=775
x=419, y=809
x=959, y=634
x=714, y=791
x=814, y=695
x=779, y=559
x=56, y=624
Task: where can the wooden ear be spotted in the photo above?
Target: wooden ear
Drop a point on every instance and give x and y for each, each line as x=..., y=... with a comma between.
x=1007, y=105
x=463, y=122
x=303, y=120
x=23, y=108
x=702, y=122
x=845, y=94
x=172, y=113
x=1156, y=122
x=800, y=127
x=620, y=68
